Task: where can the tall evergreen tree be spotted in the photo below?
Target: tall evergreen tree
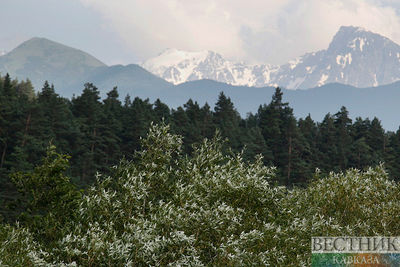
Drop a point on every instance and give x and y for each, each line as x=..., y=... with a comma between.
x=392, y=159
x=207, y=126
x=194, y=116
x=279, y=128
x=87, y=109
x=377, y=141
x=343, y=124
x=361, y=152
x=161, y=111
x=327, y=144
x=227, y=119
x=310, y=153
x=255, y=145
x=112, y=130
x=136, y=119
x=56, y=121
x=182, y=126
x=15, y=113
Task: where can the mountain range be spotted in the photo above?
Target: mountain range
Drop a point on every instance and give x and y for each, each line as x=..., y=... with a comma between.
x=40, y=59
x=355, y=57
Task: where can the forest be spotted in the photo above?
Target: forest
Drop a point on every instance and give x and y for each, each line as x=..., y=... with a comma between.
x=97, y=134
x=108, y=182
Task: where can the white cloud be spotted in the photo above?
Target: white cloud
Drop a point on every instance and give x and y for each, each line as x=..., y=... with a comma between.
x=271, y=31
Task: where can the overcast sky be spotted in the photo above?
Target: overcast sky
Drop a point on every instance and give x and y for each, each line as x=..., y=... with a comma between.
x=255, y=31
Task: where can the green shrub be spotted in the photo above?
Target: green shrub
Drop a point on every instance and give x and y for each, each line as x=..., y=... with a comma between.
x=165, y=208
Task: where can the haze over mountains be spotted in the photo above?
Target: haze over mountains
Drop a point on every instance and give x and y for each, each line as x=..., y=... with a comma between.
x=40, y=59
x=355, y=57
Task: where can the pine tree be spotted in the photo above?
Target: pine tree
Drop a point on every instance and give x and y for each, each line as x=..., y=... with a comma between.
x=88, y=110
x=182, y=126
x=393, y=155
x=136, y=119
x=377, y=141
x=161, y=111
x=227, y=119
x=194, y=116
x=327, y=144
x=14, y=124
x=310, y=153
x=112, y=130
x=343, y=124
x=56, y=121
x=207, y=126
x=255, y=145
x=15, y=121
x=279, y=129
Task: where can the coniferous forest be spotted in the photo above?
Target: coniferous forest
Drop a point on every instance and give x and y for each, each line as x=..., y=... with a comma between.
x=105, y=182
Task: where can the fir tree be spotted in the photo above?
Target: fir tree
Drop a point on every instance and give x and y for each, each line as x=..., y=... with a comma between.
x=227, y=119
x=87, y=109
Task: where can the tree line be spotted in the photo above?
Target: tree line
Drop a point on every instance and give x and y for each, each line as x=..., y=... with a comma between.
x=97, y=133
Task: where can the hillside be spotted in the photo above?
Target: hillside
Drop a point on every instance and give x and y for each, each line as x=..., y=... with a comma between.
x=40, y=59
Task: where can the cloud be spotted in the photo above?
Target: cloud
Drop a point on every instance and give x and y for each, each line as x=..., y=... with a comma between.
x=271, y=31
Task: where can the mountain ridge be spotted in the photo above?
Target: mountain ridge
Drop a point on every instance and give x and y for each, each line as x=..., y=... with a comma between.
x=350, y=58
x=40, y=59
x=134, y=80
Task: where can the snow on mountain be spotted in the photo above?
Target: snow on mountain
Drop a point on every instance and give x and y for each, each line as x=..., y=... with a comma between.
x=355, y=57
x=2, y=53
x=178, y=66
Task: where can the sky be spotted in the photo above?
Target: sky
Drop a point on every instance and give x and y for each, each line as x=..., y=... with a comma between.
x=253, y=31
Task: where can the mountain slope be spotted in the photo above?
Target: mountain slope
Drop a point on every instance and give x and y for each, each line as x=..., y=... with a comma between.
x=355, y=57
x=40, y=59
x=131, y=79
x=380, y=102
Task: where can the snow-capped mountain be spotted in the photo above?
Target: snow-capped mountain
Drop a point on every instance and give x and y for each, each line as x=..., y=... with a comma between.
x=355, y=56
x=2, y=53
x=178, y=66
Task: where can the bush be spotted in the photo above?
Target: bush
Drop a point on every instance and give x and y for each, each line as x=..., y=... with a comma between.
x=165, y=208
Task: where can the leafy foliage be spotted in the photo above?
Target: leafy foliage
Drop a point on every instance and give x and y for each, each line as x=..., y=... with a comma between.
x=51, y=197
x=165, y=208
